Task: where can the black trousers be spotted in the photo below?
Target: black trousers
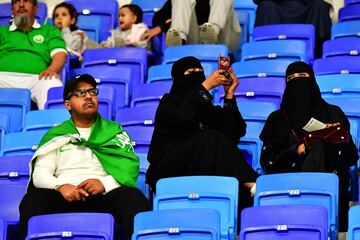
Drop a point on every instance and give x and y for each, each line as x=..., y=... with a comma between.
x=123, y=203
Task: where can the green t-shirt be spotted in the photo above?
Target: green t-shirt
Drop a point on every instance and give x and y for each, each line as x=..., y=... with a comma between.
x=29, y=52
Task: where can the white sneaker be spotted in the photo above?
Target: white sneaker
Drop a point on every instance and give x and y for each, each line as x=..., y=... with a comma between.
x=208, y=34
x=173, y=38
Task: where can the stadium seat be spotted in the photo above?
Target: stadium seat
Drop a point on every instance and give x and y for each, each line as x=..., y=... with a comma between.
x=336, y=83
x=10, y=198
x=204, y=52
x=132, y=58
x=3, y=229
x=15, y=169
x=214, y=192
x=336, y=65
x=110, y=77
x=301, y=188
x=185, y=224
x=354, y=223
x=45, y=119
x=71, y=225
x=149, y=94
x=349, y=13
x=149, y=7
x=345, y=29
x=140, y=136
x=341, y=47
x=249, y=7
x=244, y=21
x=292, y=50
x=141, y=181
x=6, y=15
x=351, y=2
x=284, y=222
x=21, y=143
x=4, y=126
x=138, y=116
x=261, y=68
x=92, y=26
x=304, y=32
x=15, y=102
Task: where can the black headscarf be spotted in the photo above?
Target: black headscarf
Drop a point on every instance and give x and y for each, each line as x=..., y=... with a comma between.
x=185, y=83
x=302, y=98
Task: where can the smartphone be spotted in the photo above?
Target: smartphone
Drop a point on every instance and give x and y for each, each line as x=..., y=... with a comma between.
x=224, y=64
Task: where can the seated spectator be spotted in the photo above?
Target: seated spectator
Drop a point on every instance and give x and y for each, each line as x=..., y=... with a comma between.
x=130, y=30
x=31, y=55
x=315, y=12
x=197, y=21
x=194, y=137
x=65, y=18
x=284, y=148
x=85, y=164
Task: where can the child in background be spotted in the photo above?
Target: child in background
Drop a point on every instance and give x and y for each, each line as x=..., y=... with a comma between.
x=65, y=18
x=130, y=30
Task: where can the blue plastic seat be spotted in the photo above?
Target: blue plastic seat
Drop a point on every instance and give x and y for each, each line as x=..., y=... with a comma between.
x=354, y=223
x=5, y=13
x=138, y=116
x=351, y=2
x=132, y=58
x=10, y=198
x=4, y=126
x=92, y=26
x=349, y=13
x=204, y=52
x=301, y=188
x=336, y=83
x=45, y=119
x=336, y=65
x=140, y=136
x=110, y=77
x=249, y=7
x=304, y=32
x=15, y=102
x=214, y=192
x=149, y=94
x=261, y=68
x=15, y=169
x=141, y=181
x=21, y=143
x=149, y=8
x=244, y=21
x=341, y=47
x=292, y=50
x=284, y=222
x=71, y=225
x=345, y=29
x=3, y=229
x=184, y=224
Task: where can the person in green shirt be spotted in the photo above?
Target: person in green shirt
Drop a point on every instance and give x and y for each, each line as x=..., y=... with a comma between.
x=85, y=164
x=31, y=55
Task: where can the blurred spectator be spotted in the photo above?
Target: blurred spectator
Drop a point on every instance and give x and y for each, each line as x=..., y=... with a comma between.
x=31, y=55
x=197, y=21
x=335, y=6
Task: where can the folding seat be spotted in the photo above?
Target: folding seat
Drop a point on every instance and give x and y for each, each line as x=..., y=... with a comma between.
x=10, y=198
x=284, y=223
x=141, y=181
x=140, y=136
x=15, y=102
x=21, y=143
x=337, y=83
x=4, y=126
x=111, y=77
x=354, y=224
x=304, y=32
x=292, y=50
x=149, y=7
x=214, y=192
x=336, y=65
x=185, y=224
x=15, y=169
x=138, y=116
x=345, y=29
x=3, y=229
x=341, y=47
x=351, y=2
x=6, y=16
x=149, y=94
x=349, y=13
x=261, y=68
x=132, y=58
x=249, y=7
x=92, y=26
x=204, y=52
x=71, y=225
x=45, y=119
x=301, y=188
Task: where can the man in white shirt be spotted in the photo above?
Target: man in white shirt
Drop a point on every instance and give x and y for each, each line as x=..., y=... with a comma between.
x=85, y=164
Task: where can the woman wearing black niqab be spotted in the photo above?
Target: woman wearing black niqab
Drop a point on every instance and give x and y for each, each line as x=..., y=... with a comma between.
x=283, y=152
x=194, y=137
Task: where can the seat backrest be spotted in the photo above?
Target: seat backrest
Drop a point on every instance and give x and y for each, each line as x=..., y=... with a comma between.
x=215, y=192
x=251, y=110
x=349, y=13
x=149, y=94
x=140, y=136
x=345, y=29
x=341, y=47
x=138, y=116
x=304, y=32
x=186, y=224
x=284, y=222
x=304, y=188
x=76, y=225
x=4, y=126
x=10, y=198
x=45, y=119
x=337, y=65
x=92, y=26
x=250, y=7
x=354, y=223
x=15, y=102
x=261, y=68
x=133, y=58
x=3, y=229
x=21, y=143
x=15, y=169
x=5, y=13
x=351, y=2
x=337, y=83
x=293, y=50
x=141, y=181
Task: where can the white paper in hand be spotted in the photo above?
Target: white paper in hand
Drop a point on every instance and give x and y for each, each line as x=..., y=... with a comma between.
x=314, y=125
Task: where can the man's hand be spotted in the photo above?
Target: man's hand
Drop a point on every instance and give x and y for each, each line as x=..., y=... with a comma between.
x=301, y=149
x=149, y=34
x=231, y=87
x=47, y=74
x=217, y=78
x=72, y=193
x=92, y=186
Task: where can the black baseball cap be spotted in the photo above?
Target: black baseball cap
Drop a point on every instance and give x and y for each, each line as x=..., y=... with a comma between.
x=71, y=83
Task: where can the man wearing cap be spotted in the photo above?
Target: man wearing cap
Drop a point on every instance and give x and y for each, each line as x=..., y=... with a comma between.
x=85, y=164
x=31, y=55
